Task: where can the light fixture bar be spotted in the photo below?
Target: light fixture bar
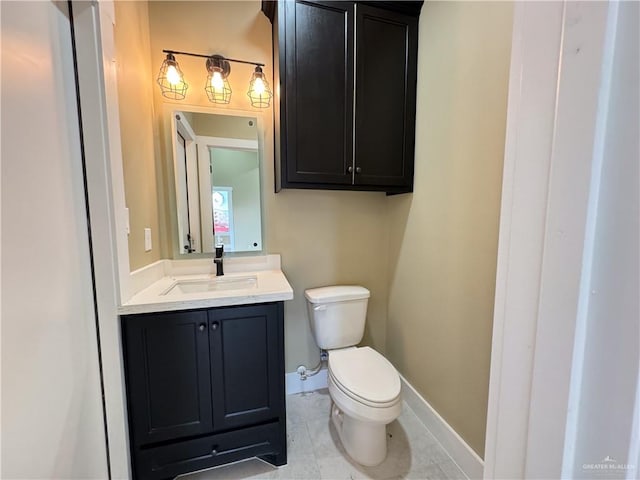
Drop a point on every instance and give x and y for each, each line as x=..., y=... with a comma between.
x=175, y=52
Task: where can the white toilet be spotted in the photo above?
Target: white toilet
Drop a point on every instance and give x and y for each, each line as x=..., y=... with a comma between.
x=363, y=385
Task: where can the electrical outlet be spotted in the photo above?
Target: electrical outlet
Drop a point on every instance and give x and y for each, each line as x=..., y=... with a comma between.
x=147, y=239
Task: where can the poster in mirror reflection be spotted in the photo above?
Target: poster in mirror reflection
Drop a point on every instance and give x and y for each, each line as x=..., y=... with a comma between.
x=222, y=202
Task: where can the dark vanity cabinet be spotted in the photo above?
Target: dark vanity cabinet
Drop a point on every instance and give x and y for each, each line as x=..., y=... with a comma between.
x=346, y=72
x=204, y=387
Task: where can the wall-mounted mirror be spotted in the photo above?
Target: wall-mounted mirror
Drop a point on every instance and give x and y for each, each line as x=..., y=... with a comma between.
x=216, y=162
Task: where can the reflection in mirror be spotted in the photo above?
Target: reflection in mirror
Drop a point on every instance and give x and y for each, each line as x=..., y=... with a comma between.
x=217, y=180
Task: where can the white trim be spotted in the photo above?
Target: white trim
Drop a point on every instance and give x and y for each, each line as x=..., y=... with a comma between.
x=552, y=119
x=93, y=25
x=570, y=439
x=296, y=385
x=565, y=235
x=453, y=444
x=181, y=126
x=530, y=126
x=234, y=143
x=207, y=242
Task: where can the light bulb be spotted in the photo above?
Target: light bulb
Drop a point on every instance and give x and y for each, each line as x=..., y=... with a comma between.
x=258, y=86
x=259, y=92
x=173, y=77
x=217, y=82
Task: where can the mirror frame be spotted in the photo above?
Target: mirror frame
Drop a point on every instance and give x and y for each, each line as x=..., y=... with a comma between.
x=171, y=182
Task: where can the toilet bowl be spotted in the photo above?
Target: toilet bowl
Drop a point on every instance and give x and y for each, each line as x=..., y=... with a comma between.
x=363, y=385
x=365, y=390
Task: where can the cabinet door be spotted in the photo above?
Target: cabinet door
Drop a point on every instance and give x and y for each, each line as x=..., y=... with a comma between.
x=318, y=92
x=168, y=375
x=245, y=367
x=386, y=59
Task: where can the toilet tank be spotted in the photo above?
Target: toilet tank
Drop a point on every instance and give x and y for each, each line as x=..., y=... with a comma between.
x=337, y=315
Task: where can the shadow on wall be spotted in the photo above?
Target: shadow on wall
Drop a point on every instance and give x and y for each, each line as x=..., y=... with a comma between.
x=330, y=238
x=399, y=208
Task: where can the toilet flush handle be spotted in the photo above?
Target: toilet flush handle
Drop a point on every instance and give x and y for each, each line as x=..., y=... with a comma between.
x=319, y=307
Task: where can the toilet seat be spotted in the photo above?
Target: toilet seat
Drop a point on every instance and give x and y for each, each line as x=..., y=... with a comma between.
x=365, y=376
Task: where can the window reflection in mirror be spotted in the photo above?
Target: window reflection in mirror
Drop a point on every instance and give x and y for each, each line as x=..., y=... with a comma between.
x=217, y=180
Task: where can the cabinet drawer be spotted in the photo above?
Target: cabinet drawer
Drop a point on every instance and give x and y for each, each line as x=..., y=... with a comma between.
x=191, y=455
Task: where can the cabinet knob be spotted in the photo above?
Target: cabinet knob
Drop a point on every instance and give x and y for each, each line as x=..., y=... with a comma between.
x=350, y=169
x=214, y=450
x=358, y=170
x=215, y=325
x=201, y=327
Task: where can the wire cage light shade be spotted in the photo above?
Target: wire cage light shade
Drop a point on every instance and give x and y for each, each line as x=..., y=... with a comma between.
x=259, y=92
x=171, y=79
x=217, y=86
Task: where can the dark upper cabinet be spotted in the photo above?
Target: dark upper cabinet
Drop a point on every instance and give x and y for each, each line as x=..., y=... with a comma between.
x=319, y=91
x=169, y=382
x=386, y=52
x=345, y=116
x=204, y=387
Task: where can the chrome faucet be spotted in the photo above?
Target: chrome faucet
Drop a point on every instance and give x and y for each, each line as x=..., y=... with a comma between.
x=218, y=260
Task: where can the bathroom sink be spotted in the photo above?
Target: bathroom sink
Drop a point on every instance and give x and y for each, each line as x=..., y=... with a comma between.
x=215, y=284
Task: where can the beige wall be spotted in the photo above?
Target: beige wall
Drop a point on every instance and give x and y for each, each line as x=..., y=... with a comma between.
x=135, y=97
x=329, y=238
x=324, y=237
x=444, y=237
x=226, y=126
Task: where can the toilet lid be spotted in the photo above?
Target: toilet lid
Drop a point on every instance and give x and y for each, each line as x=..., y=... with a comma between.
x=365, y=373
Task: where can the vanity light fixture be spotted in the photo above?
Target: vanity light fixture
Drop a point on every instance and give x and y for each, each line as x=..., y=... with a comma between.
x=259, y=92
x=217, y=86
x=171, y=79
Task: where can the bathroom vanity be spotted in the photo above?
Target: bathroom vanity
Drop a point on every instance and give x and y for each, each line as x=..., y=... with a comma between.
x=204, y=368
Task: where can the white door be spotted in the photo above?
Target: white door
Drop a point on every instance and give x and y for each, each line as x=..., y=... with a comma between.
x=52, y=414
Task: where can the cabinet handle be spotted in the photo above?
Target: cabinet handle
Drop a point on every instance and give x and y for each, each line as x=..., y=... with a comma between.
x=358, y=170
x=214, y=450
x=350, y=170
x=215, y=325
x=201, y=327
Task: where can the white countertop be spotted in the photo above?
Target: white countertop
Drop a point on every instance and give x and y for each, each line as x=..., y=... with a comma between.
x=270, y=285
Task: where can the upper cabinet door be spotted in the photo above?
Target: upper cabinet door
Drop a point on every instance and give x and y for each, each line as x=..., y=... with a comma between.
x=386, y=61
x=168, y=377
x=318, y=101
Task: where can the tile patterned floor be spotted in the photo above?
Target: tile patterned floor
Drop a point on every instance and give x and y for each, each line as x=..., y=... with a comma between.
x=315, y=452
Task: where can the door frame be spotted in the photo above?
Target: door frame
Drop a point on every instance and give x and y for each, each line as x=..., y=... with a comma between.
x=558, y=92
x=181, y=126
x=98, y=93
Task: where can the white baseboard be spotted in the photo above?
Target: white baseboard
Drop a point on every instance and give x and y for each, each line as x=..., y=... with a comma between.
x=295, y=385
x=461, y=453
